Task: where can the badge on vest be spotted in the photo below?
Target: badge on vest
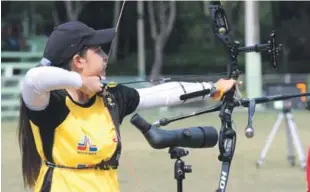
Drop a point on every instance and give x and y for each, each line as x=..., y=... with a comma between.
x=86, y=146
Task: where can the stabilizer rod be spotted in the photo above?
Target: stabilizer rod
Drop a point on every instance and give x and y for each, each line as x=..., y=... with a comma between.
x=242, y=102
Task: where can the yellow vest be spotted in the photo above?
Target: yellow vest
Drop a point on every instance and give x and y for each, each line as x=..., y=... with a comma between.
x=85, y=137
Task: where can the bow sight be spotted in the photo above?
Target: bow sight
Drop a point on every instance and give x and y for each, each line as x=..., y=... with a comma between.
x=227, y=134
x=221, y=29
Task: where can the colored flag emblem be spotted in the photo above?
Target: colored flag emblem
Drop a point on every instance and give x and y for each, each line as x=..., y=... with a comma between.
x=86, y=145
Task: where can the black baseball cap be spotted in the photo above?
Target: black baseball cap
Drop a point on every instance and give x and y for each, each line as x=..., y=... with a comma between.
x=69, y=38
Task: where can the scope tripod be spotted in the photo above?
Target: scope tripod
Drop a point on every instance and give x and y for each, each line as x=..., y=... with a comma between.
x=292, y=138
x=180, y=168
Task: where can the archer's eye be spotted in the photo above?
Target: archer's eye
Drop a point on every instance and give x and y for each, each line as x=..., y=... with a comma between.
x=100, y=52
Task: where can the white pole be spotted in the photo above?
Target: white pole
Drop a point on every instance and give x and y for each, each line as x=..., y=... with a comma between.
x=252, y=60
x=141, y=47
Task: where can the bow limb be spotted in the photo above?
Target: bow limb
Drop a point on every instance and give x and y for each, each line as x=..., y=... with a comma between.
x=227, y=134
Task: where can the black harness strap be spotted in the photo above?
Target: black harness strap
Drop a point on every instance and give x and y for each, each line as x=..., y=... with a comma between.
x=104, y=165
x=110, y=103
x=47, y=181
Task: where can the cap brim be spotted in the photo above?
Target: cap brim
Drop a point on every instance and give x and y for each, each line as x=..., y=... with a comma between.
x=101, y=37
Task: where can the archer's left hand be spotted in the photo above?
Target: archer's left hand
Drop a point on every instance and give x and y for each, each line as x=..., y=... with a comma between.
x=225, y=84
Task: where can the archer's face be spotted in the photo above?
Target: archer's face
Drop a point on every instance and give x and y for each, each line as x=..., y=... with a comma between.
x=93, y=62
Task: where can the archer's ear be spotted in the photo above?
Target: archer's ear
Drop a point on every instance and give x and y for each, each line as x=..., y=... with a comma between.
x=78, y=62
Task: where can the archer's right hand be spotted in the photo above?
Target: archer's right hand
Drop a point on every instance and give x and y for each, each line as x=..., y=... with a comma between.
x=91, y=85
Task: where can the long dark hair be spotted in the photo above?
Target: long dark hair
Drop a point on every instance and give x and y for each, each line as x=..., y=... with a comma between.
x=31, y=161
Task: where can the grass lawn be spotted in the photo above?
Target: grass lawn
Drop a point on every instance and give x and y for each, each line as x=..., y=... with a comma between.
x=144, y=169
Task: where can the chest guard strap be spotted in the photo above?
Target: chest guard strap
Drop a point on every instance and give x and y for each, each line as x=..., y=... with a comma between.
x=110, y=103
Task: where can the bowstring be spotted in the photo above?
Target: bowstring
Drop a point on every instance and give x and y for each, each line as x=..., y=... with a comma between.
x=116, y=28
x=137, y=180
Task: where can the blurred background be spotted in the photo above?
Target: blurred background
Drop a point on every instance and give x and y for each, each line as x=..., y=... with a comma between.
x=173, y=39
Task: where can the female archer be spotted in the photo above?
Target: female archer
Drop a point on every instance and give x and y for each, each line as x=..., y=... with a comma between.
x=69, y=120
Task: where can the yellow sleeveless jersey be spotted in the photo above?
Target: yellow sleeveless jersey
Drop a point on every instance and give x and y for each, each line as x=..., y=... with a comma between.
x=76, y=135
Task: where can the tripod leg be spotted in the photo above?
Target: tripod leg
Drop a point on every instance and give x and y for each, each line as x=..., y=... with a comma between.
x=296, y=140
x=269, y=140
x=290, y=146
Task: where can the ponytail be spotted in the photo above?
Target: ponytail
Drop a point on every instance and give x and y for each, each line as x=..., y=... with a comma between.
x=31, y=161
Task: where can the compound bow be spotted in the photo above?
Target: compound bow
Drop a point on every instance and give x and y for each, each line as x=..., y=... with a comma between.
x=227, y=134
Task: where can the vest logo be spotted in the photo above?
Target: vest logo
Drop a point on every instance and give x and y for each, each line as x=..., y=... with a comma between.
x=85, y=146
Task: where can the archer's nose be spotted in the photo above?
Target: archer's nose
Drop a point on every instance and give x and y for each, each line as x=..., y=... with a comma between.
x=105, y=59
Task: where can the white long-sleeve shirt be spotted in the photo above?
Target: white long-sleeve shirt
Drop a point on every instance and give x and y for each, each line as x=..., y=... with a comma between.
x=40, y=81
